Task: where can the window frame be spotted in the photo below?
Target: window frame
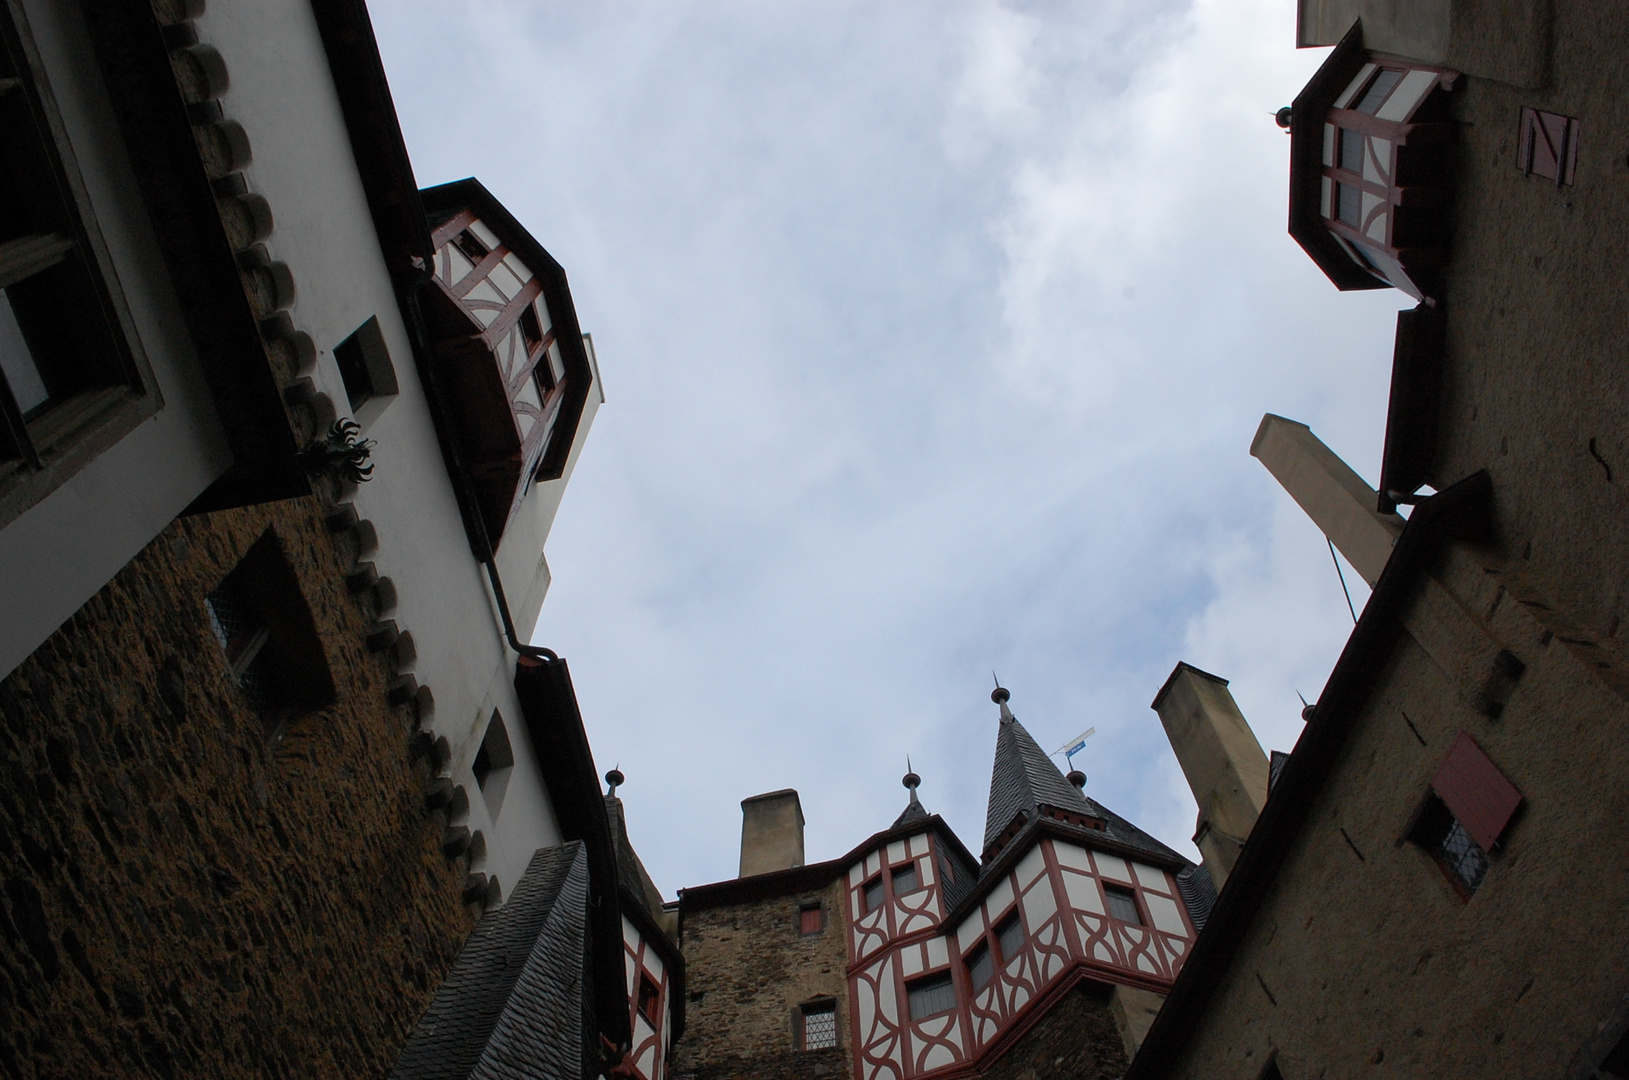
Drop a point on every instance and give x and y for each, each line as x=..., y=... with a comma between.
x=907, y=868
x=881, y=895
x=920, y=985
x=1000, y=931
x=653, y=999
x=118, y=391
x=818, y=1007
x=819, y=911
x=982, y=951
x=1123, y=892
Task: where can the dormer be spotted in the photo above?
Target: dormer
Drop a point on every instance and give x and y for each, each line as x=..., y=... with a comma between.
x=1370, y=158
x=510, y=356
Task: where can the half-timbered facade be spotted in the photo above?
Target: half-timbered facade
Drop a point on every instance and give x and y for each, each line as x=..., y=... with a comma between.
x=1371, y=150
x=951, y=960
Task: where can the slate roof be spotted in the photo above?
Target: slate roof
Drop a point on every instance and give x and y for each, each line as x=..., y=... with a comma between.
x=630, y=869
x=1024, y=777
x=1198, y=893
x=914, y=811
x=513, y=1005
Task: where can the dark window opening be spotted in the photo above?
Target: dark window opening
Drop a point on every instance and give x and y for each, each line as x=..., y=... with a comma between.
x=650, y=997
x=473, y=247
x=259, y=617
x=364, y=365
x=1122, y=904
x=1352, y=145
x=1009, y=934
x=905, y=879
x=811, y=919
x=494, y=762
x=64, y=354
x=531, y=329
x=1385, y=81
x=930, y=996
x=1349, y=204
x=873, y=894
x=819, y=1026
x=1442, y=836
x=980, y=966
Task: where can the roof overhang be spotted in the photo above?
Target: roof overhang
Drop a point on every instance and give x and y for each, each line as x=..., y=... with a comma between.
x=1307, y=115
x=554, y=723
x=1461, y=512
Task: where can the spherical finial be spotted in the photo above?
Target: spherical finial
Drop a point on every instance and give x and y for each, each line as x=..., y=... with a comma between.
x=1284, y=117
x=1000, y=696
x=1308, y=712
x=1077, y=778
x=912, y=781
x=614, y=779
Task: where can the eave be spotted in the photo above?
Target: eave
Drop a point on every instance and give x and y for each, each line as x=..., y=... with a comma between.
x=1460, y=512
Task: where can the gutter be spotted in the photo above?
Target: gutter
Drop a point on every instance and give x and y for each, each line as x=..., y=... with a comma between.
x=1460, y=512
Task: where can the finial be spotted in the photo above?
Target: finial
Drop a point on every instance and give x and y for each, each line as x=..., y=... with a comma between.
x=999, y=695
x=1284, y=117
x=614, y=779
x=1077, y=778
x=1307, y=708
x=911, y=780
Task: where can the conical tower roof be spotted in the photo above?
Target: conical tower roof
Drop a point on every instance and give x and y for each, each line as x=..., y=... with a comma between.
x=1024, y=778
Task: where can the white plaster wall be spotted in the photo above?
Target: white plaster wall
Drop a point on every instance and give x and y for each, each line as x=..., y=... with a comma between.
x=56, y=555
x=283, y=95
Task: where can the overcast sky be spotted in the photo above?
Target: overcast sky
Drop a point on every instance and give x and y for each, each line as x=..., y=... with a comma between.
x=934, y=336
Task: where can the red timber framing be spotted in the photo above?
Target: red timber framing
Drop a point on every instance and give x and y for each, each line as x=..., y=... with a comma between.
x=506, y=339
x=1370, y=170
x=647, y=1058
x=1051, y=883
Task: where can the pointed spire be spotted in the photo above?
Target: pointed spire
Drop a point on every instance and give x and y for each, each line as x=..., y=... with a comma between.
x=1023, y=776
x=914, y=810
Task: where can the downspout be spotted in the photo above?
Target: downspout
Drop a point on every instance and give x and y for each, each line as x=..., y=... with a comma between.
x=462, y=491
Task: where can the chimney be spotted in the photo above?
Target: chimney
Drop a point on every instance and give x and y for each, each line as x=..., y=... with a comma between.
x=1333, y=496
x=1221, y=759
x=771, y=832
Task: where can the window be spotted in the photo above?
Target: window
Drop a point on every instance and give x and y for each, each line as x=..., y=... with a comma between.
x=1349, y=204
x=873, y=893
x=905, y=879
x=67, y=363
x=494, y=763
x=1447, y=842
x=259, y=617
x=473, y=247
x=650, y=998
x=364, y=365
x=818, y=1025
x=1352, y=151
x=1122, y=904
x=1547, y=146
x=930, y=996
x=947, y=870
x=1009, y=933
x=1385, y=81
x=980, y=966
x=811, y=919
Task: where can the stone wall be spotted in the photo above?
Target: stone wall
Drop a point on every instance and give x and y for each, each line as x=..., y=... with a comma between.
x=1077, y=1039
x=747, y=970
x=179, y=895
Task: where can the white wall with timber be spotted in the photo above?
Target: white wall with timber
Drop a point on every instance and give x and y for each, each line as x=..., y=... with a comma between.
x=58, y=552
x=302, y=163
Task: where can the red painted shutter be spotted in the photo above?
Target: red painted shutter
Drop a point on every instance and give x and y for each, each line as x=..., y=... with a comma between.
x=1475, y=791
x=810, y=920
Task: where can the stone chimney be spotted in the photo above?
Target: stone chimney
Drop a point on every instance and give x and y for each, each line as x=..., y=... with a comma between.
x=1220, y=757
x=771, y=832
x=1333, y=496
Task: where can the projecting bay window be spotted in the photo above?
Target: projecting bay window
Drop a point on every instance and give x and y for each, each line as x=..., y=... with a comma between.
x=72, y=379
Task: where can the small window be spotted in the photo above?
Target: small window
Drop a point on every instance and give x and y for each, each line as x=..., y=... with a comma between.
x=905, y=879
x=1456, y=854
x=1352, y=144
x=1009, y=933
x=473, y=247
x=531, y=329
x=494, y=763
x=1122, y=904
x=980, y=966
x=819, y=1026
x=260, y=619
x=873, y=894
x=1547, y=146
x=1349, y=204
x=930, y=996
x=947, y=869
x=650, y=999
x=811, y=919
x=1385, y=81
x=364, y=365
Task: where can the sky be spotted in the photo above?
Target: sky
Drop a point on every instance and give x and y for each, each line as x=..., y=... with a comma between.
x=933, y=338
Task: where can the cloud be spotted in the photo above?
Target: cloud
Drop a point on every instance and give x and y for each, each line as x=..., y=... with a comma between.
x=934, y=339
